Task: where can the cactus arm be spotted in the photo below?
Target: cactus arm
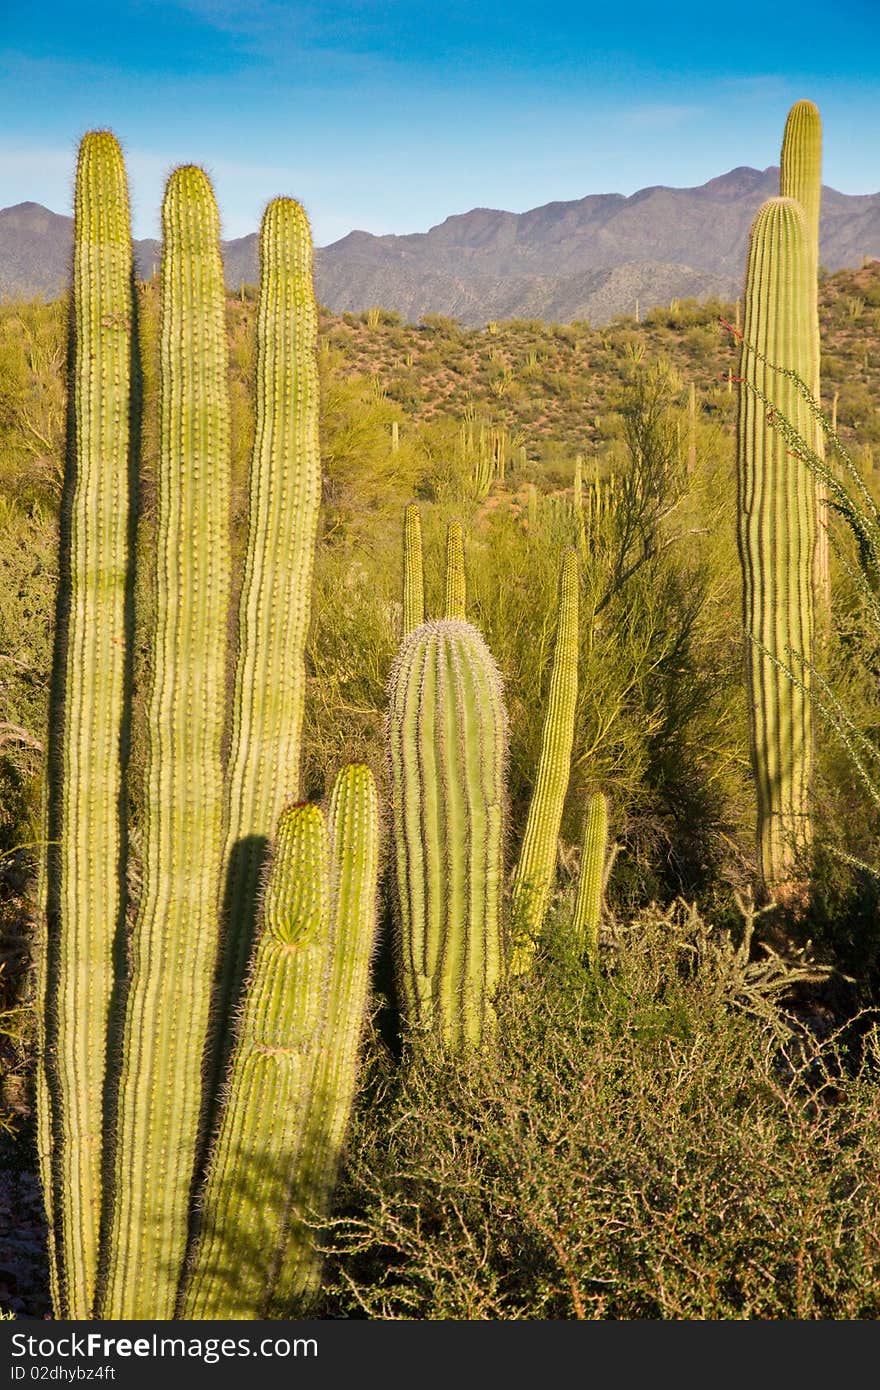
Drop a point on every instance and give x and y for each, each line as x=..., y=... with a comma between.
x=175, y=938
x=243, y=1209
x=455, y=581
x=84, y=872
x=588, y=908
x=354, y=834
x=777, y=527
x=536, y=867
x=285, y=495
x=447, y=750
x=413, y=578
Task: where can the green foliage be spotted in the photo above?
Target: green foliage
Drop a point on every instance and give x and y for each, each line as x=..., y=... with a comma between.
x=658, y=1141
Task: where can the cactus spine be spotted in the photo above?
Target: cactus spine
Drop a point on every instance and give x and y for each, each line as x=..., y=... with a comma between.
x=413, y=575
x=455, y=582
x=176, y=935
x=354, y=866
x=83, y=872
x=800, y=177
x=777, y=525
x=241, y=1226
x=285, y=496
x=537, y=861
x=588, y=908
x=447, y=748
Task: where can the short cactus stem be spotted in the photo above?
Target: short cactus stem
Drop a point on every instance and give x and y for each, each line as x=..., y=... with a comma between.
x=536, y=868
x=413, y=574
x=455, y=580
x=591, y=884
x=176, y=935
x=353, y=818
x=777, y=530
x=266, y=1096
x=447, y=748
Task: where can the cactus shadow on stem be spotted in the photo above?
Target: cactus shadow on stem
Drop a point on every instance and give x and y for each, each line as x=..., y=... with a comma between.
x=119, y=995
x=231, y=972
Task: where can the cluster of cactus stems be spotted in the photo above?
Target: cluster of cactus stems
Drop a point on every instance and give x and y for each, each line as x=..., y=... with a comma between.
x=129, y=1091
x=294, y=1059
x=483, y=450
x=446, y=738
x=777, y=529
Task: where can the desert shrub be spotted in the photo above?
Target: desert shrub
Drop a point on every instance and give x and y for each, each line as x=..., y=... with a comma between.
x=661, y=1141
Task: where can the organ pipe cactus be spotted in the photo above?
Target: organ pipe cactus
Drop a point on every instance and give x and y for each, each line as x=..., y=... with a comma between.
x=83, y=875
x=591, y=885
x=294, y=1066
x=447, y=748
x=455, y=580
x=777, y=530
x=413, y=576
x=206, y=828
x=176, y=935
x=537, y=860
x=800, y=177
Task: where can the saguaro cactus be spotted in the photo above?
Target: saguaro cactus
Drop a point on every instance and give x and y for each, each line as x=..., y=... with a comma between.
x=588, y=908
x=777, y=529
x=800, y=177
x=84, y=871
x=537, y=861
x=176, y=936
x=447, y=745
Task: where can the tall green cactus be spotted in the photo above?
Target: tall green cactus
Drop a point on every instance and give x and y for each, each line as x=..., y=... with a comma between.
x=800, y=177
x=454, y=606
x=176, y=935
x=536, y=867
x=591, y=884
x=447, y=747
x=777, y=529
x=285, y=496
x=83, y=874
x=413, y=574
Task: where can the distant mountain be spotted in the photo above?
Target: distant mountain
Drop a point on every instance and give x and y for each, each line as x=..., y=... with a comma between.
x=589, y=259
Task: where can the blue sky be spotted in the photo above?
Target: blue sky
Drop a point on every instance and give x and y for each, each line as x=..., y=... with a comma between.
x=389, y=116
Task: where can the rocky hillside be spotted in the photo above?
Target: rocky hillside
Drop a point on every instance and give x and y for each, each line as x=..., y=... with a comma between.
x=588, y=259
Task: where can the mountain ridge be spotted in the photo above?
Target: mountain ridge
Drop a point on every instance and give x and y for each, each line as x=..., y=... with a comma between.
x=590, y=258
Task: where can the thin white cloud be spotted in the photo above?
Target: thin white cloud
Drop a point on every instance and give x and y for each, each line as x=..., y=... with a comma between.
x=660, y=115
